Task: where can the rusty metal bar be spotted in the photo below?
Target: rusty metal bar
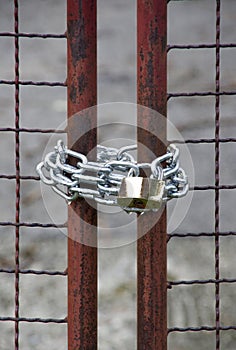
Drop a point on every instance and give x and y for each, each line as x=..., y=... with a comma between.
x=82, y=259
x=151, y=250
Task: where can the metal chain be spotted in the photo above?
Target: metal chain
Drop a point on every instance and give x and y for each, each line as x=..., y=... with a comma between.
x=104, y=176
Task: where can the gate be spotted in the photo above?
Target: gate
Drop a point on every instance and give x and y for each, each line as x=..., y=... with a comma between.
x=200, y=279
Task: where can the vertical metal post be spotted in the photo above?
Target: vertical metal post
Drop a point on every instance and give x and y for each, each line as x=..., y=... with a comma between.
x=151, y=91
x=82, y=93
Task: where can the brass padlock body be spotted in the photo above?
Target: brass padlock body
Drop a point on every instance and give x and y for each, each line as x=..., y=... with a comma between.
x=141, y=193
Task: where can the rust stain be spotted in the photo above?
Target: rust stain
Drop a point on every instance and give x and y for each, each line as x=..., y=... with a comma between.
x=82, y=83
x=153, y=36
x=77, y=40
x=73, y=93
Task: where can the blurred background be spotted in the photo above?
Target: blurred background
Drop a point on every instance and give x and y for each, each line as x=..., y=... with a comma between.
x=45, y=107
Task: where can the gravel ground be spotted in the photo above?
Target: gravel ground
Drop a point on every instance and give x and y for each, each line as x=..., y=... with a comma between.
x=44, y=107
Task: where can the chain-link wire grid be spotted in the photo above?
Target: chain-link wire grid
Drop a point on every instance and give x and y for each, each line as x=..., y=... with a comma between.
x=193, y=333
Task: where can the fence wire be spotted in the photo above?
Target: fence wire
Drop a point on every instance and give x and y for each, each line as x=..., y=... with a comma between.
x=17, y=224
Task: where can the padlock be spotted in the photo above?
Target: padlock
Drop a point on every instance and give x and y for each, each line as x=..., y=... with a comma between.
x=141, y=193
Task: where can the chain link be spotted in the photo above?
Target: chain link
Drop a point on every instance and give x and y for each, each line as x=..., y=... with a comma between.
x=104, y=177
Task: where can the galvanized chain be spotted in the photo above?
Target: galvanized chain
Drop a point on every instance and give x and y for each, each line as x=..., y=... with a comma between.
x=101, y=180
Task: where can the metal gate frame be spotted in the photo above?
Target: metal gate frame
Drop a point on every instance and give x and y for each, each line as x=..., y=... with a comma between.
x=151, y=88
x=82, y=260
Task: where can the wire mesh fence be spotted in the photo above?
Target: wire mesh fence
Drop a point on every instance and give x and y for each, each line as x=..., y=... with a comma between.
x=201, y=272
x=23, y=312
x=208, y=329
